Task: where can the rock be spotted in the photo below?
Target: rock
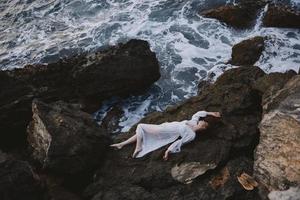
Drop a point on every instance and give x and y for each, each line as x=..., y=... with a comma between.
x=238, y=16
x=15, y=101
x=85, y=79
x=277, y=155
x=235, y=135
x=111, y=121
x=225, y=182
x=202, y=85
x=66, y=140
x=270, y=84
x=130, y=192
x=18, y=180
x=291, y=194
x=281, y=16
x=247, y=52
x=186, y=172
x=57, y=192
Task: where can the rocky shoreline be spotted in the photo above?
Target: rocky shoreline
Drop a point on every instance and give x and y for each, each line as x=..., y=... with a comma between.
x=244, y=14
x=51, y=147
x=85, y=80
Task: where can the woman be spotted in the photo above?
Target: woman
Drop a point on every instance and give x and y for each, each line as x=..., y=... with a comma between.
x=150, y=137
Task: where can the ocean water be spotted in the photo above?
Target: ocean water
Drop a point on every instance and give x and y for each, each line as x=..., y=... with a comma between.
x=189, y=47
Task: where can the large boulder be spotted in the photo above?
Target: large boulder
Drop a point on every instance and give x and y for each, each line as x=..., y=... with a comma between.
x=269, y=85
x=239, y=16
x=66, y=140
x=277, y=156
x=18, y=180
x=201, y=161
x=282, y=16
x=85, y=79
x=247, y=52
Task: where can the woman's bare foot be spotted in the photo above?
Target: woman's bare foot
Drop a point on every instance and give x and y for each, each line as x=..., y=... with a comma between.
x=117, y=146
x=136, y=151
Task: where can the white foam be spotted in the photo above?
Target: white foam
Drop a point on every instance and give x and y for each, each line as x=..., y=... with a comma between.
x=174, y=30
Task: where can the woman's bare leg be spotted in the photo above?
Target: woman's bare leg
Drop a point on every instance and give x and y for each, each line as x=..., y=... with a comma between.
x=144, y=129
x=138, y=146
x=126, y=142
x=138, y=137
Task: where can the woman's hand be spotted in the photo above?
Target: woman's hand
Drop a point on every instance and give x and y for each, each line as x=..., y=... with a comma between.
x=166, y=155
x=216, y=114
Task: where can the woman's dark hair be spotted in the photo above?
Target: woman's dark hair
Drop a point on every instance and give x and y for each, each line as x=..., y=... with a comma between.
x=211, y=120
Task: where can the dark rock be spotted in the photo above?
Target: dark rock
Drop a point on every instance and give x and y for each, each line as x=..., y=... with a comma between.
x=239, y=16
x=111, y=121
x=85, y=79
x=202, y=85
x=282, y=16
x=129, y=192
x=66, y=140
x=236, y=135
x=15, y=106
x=57, y=192
x=18, y=180
x=247, y=52
x=277, y=156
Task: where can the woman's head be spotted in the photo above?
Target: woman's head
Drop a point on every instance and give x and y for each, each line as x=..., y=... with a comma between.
x=202, y=125
x=207, y=122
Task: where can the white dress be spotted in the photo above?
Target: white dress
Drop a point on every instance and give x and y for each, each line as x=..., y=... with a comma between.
x=155, y=136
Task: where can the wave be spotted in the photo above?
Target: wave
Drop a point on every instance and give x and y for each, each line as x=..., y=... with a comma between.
x=189, y=47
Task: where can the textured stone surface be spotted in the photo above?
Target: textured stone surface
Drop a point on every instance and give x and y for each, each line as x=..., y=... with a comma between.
x=247, y=52
x=269, y=85
x=277, y=157
x=18, y=180
x=291, y=194
x=235, y=135
x=282, y=16
x=66, y=140
x=186, y=172
x=125, y=69
x=240, y=16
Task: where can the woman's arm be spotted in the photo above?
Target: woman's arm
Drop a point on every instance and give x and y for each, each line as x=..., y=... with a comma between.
x=204, y=113
x=198, y=114
x=188, y=136
x=215, y=114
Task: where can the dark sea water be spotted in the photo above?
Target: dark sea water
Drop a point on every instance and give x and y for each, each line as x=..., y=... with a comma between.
x=188, y=46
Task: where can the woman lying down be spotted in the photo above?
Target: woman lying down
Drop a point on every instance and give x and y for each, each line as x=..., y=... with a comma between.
x=150, y=137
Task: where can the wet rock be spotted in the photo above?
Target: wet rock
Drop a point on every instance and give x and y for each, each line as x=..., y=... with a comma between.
x=277, y=155
x=66, y=140
x=239, y=16
x=111, y=121
x=247, y=52
x=84, y=79
x=18, y=180
x=281, y=16
x=202, y=85
x=235, y=135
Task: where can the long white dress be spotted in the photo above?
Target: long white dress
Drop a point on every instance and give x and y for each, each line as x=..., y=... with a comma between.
x=155, y=136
